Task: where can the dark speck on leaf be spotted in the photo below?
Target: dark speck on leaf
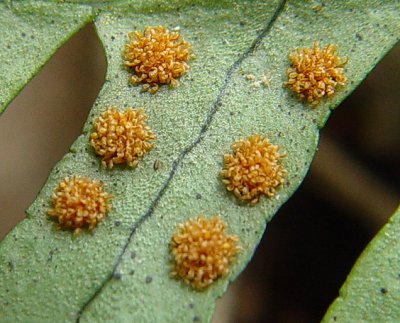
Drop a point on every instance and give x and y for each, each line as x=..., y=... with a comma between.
x=117, y=275
x=191, y=305
x=23, y=34
x=133, y=255
x=242, y=23
x=148, y=279
x=117, y=223
x=359, y=37
x=10, y=266
x=157, y=164
x=131, y=272
x=112, y=37
x=198, y=196
x=334, y=318
x=196, y=319
x=51, y=253
x=383, y=290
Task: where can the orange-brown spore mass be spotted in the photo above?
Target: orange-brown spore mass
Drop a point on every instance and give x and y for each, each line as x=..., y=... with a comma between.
x=79, y=202
x=121, y=137
x=253, y=169
x=157, y=56
x=202, y=251
x=315, y=72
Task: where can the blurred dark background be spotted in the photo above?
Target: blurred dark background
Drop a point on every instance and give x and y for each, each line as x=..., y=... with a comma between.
x=310, y=245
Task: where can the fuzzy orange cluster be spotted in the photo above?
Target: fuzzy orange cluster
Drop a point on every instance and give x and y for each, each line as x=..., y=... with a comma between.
x=253, y=169
x=79, y=202
x=121, y=137
x=315, y=72
x=202, y=251
x=157, y=56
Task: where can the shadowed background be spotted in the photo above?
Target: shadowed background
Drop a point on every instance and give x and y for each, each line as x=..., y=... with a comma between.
x=313, y=241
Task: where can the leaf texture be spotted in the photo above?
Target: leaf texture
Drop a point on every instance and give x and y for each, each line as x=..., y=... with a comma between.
x=31, y=31
x=121, y=270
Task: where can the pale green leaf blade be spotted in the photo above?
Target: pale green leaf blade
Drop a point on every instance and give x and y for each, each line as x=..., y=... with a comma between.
x=106, y=275
x=371, y=292
x=270, y=110
x=30, y=33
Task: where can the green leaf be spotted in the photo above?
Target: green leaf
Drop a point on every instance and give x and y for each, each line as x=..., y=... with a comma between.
x=371, y=292
x=121, y=271
x=31, y=31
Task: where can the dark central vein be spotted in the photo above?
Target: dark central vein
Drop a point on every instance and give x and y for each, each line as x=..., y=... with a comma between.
x=186, y=151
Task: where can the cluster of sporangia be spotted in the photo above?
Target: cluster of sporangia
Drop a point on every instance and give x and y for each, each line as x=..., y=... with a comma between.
x=157, y=56
x=202, y=251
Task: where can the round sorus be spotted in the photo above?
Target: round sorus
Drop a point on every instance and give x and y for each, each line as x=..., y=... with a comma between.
x=79, y=202
x=202, y=251
x=156, y=56
x=253, y=169
x=121, y=137
x=315, y=72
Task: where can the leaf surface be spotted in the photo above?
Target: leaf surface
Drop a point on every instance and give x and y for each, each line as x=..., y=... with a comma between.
x=121, y=271
x=371, y=292
x=31, y=31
